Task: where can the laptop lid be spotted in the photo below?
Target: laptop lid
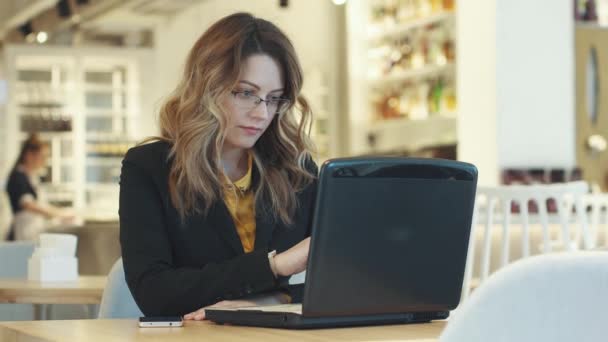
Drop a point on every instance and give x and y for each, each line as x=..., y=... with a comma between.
x=390, y=235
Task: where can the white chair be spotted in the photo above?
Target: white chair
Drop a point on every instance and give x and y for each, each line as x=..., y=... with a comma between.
x=13, y=258
x=13, y=264
x=597, y=206
x=558, y=297
x=494, y=204
x=117, y=300
x=6, y=215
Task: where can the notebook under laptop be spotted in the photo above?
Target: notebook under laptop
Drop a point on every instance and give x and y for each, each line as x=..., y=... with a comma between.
x=389, y=245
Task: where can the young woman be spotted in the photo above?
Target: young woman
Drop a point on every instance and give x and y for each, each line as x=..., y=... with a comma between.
x=219, y=208
x=29, y=213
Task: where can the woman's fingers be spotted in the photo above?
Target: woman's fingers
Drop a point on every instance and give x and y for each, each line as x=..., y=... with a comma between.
x=199, y=314
x=196, y=315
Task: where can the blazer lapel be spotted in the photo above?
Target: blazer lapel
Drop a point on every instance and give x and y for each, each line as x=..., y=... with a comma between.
x=224, y=225
x=264, y=226
x=264, y=221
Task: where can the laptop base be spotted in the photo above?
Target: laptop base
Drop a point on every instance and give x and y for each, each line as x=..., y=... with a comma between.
x=288, y=320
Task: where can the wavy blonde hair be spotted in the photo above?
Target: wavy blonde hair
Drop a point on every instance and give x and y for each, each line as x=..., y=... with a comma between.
x=194, y=121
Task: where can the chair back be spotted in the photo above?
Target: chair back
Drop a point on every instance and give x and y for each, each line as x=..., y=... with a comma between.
x=559, y=297
x=542, y=205
x=117, y=300
x=13, y=258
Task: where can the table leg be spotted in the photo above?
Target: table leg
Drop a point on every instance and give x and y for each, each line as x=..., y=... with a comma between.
x=40, y=312
x=92, y=310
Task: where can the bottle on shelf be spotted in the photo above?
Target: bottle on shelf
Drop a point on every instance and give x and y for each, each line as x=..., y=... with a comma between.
x=435, y=96
x=590, y=14
x=448, y=5
x=387, y=106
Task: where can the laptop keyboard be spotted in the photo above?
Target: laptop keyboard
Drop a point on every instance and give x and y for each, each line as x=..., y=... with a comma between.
x=291, y=308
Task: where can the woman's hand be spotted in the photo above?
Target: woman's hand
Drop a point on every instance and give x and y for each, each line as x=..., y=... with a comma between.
x=275, y=298
x=293, y=260
x=199, y=314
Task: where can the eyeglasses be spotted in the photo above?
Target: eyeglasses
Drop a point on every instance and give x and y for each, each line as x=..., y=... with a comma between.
x=246, y=100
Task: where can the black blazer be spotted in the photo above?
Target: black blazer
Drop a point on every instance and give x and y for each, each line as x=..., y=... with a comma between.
x=174, y=267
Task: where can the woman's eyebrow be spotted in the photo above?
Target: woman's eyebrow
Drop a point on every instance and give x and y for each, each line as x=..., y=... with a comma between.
x=257, y=87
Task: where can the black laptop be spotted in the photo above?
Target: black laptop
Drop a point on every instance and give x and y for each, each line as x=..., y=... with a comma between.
x=389, y=245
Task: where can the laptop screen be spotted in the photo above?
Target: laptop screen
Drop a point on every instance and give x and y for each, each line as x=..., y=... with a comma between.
x=390, y=235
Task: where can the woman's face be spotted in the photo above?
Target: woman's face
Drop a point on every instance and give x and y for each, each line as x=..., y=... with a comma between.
x=261, y=78
x=38, y=159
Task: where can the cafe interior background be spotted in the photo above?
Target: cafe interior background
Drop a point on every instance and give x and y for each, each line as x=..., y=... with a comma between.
x=512, y=86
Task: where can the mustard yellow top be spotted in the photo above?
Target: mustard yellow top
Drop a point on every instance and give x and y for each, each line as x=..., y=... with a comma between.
x=241, y=205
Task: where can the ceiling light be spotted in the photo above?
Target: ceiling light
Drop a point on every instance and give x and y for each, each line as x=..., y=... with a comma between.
x=41, y=37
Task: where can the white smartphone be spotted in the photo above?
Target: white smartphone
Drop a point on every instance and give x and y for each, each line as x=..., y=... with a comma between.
x=157, y=322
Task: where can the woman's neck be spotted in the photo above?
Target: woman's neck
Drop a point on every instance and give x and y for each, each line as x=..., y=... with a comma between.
x=27, y=168
x=234, y=162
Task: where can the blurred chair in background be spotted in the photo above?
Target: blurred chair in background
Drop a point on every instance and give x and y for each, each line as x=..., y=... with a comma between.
x=13, y=264
x=5, y=213
x=597, y=209
x=558, y=297
x=537, y=232
x=117, y=300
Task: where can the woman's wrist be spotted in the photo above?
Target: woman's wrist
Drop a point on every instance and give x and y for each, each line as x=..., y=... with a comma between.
x=272, y=263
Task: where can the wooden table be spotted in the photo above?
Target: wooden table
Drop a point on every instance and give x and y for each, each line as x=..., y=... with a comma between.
x=86, y=290
x=127, y=330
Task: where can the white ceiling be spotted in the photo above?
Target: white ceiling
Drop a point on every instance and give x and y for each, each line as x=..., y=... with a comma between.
x=102, y=16
x=136, y=15
x=14, y=13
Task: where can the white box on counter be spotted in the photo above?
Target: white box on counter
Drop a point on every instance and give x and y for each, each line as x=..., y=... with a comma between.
x=52, y=269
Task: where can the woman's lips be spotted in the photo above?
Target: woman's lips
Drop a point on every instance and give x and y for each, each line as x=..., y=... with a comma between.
x=249, y=130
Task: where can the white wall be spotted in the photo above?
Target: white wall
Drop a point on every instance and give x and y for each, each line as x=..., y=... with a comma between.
x=515, y=85
x=476, y=86
x=535, y=83
x=309, y=24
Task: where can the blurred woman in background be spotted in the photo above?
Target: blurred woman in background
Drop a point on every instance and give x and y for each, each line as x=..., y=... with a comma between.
x=29, y=213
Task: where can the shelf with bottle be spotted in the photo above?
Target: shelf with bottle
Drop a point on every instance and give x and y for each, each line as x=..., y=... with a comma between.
x=108, y=149
x=425, y=53
x=415, y=100
x=412, y=74
x=409, y=87
x=45, y=121
x=411, y=135
x=389, y=18
x=398, y=30
x=33, y=94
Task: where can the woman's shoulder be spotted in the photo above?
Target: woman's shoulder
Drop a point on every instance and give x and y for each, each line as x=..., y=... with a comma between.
x=17, y=175
x=149, y=155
